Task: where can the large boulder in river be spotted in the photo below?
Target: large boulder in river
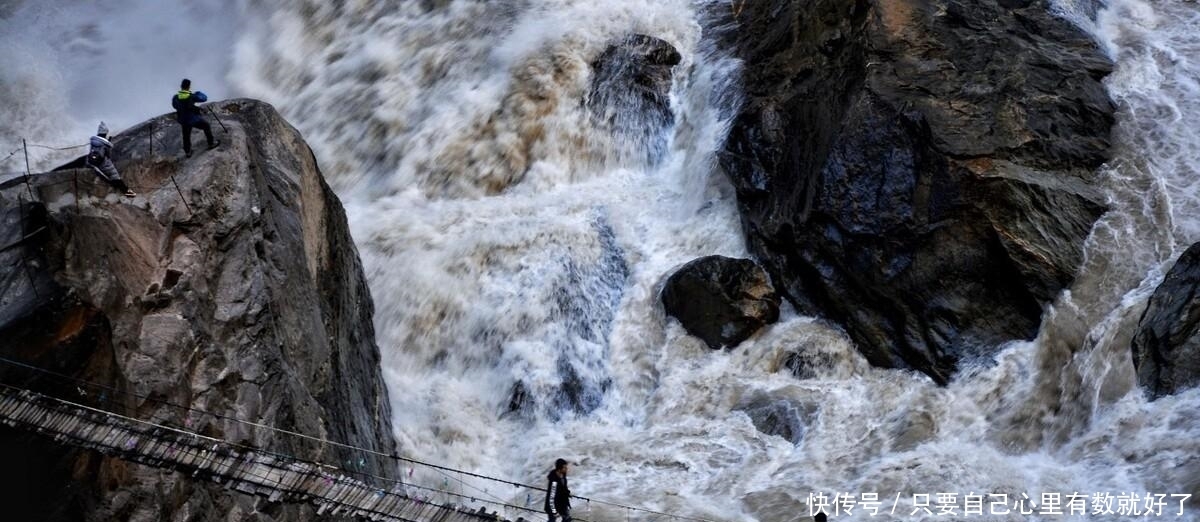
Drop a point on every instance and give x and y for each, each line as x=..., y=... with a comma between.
x=918, y=171
x=721, y=300
x=236, y=292
x=629, y=94
x=1166, y=347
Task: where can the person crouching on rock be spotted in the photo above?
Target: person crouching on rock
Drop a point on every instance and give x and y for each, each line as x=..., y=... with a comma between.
x=188, y=115
x=99, y=158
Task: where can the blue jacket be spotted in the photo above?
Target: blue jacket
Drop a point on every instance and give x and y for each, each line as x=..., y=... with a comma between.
x=186, y=111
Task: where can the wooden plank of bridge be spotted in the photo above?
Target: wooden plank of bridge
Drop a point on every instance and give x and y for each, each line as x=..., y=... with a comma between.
x=407, y=510
x=117, y=435
x=358, y=497
x=77, y=427
x=28, y=412
x=47, y=420
x=367, y=498
x=291, y=480
x=186, y=453
x=355, y=498
x=368, y=503
x=271, y=473
x=10, y=407
x=388, y=503
x=337, y=492
x=13, y=409
x=425, y=511
x=53, y=420
x=89, y=433
x=64, y=420
x=106, y=434
x=347, y=491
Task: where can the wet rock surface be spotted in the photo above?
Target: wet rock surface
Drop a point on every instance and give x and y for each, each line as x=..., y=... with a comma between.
x=248, y=301
x=721, y=300
x=918, y=172
x=630, y=93
x=780, y=416
x=1166, y=347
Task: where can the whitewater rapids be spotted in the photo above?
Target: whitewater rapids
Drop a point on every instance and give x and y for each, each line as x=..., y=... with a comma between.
x=515, y=264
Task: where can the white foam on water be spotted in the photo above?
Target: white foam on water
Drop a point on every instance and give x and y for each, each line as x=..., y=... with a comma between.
x=515, y=263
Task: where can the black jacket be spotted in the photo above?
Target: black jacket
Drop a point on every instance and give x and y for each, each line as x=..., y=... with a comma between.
x=558, y=496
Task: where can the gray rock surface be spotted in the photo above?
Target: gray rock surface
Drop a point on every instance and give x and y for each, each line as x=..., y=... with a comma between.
x=1166, y=347
x=918, y=172
x=721, y=300
x=779, y=416
x=248, y=302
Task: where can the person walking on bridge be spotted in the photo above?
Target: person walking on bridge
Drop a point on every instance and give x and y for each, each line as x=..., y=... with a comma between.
x=99, y=158
x=188, y=115
x=558, y=495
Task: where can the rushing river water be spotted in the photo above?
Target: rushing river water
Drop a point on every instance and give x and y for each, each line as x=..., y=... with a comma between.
x=515, y=260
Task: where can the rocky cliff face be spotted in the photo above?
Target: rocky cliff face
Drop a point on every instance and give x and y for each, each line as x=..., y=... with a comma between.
x=247, y=301
x=1166, y=347
x=918, y=171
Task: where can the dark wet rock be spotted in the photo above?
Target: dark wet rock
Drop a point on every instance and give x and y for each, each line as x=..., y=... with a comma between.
x=577, y=394
x=721, y=300
x=778, y=416
x=1166, y=347
x=249, y=302
x=520, y=403
x=630, y=93
x=809, y=364
x=918, y=172
x=25, y=286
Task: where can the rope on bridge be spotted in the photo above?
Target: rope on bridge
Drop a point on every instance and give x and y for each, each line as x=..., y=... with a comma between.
x=443, y=470
x=51, y=147
x=11, y=154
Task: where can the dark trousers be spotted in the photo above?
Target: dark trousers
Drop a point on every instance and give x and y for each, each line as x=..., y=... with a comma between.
x=561, y=517
x=108, y=173
x=187, y=134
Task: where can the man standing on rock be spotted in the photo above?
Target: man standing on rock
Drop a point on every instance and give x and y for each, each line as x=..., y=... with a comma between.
x=188, y=115
x=99, y=158
x=558, y=496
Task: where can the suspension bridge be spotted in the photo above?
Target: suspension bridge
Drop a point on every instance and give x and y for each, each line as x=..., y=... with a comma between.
x=248, y=471
x=278, y=477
